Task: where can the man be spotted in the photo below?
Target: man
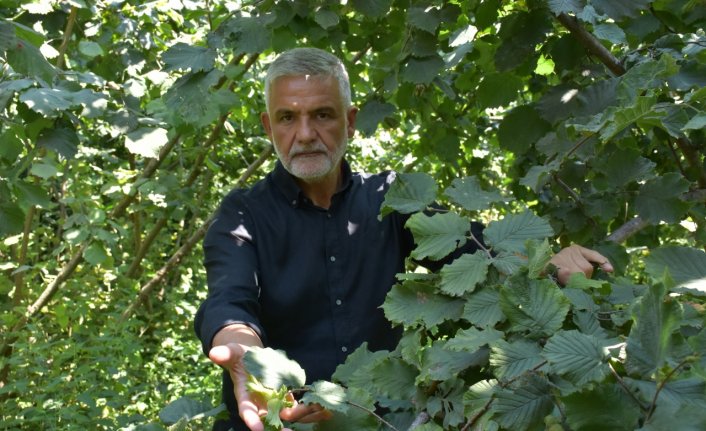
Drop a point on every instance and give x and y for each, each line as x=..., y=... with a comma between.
x=300, y=261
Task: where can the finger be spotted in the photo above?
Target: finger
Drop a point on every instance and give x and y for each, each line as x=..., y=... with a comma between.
x=305, y=413
x=595, y=257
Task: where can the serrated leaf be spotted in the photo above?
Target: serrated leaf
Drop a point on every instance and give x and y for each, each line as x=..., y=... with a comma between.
x=26, y=59
x=576, y=356
x=422, y=70
x=697, y=122
x=659, y=199
x=538, y=176
x=409, y=193
x=673, y=393
x=190, y=97
x=414, y=303
x=273, y=369
x=482, y=308
x=655, y=318
x=326, y=18
x=251, y=34
x=355, y=372
x=508, y=263
x=441, y=364
x=622, y=8
x=642, y=111
x=182, y=56
x=46, y=101
x=686, y=417
x=603, y=407
x=622, y=166
x=498, y=89
x=687, y=267
x=329, y=395
x=146, y=141
x=538, y=256
x=90, y=49
x=183, y=408
x=524, y=405
x=535, y=306
x=32, y=194
x=62, y=140
x=95, y=254
x=371, y=114
x=511, y=232
x=513, y=359
x=372, y=8
x=468, y=193
x=521, y=128
x=472, y=339
x=478, y=396
x=610, y=32
x=423, y=18
x=438, y=235
x=394, y=378
x=464, y=274
x=565, y=6
x=11, y=219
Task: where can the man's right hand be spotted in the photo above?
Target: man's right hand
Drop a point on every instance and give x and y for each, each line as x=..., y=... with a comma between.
x=250, y=408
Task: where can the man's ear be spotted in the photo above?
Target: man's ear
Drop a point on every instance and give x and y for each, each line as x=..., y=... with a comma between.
x=265, y=120
x=351, y=115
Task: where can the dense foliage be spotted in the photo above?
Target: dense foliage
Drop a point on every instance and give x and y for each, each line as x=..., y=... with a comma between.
x=122, y=123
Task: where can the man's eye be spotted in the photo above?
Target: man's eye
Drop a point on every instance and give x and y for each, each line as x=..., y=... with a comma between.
x=324, y=115
x=285, y=118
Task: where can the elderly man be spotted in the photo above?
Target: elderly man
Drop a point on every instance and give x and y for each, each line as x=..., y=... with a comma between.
x=300, y=261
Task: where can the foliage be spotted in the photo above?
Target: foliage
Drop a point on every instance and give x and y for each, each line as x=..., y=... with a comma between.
x=123, y=123
x=593, y=354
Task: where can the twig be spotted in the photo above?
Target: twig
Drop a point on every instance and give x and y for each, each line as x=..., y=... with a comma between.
x=622, y=384
x=67, y=36
x=653, y=406
x=377, y=416
x=592, y=44
x=422, y=418
x=627, y=230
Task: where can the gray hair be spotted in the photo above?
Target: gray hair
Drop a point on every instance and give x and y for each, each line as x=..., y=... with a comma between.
x=309, y=61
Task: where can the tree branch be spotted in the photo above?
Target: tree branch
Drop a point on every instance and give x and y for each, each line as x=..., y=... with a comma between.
x=147, y=289
x=592, y=44
x=67, y=36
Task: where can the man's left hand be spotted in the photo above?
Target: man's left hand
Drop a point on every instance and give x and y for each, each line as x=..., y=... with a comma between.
x=574, y=259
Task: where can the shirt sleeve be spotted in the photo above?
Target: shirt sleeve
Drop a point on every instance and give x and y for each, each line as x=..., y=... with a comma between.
x=231, y=265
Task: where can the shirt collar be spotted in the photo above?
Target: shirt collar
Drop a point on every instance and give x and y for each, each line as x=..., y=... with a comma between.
x=286, y=183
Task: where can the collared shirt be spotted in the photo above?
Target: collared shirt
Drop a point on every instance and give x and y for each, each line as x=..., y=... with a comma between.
x=309, y=280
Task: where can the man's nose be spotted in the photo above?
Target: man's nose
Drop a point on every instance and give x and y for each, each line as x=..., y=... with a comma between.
x=305, y=130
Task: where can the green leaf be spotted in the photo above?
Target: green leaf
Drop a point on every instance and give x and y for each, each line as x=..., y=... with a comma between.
x=438, y=235
x=508, y=263
x=674, y=393
x=687, y=267
x=62, y=140
x=511, y=232
x=610, y=32
x=513, y=359
x=273, y=369
x=655, y=318
x=621, y=8
x=660, y=199
x=539, y=254
x=326, y=18
x=90, y=49
x=190, y=97
x=424, y=18
x=565, y=6
x=95, y=254
x=521, y=128
x=251, y=34
x=685, y=417
x=472, y=339
x=26, y=59
x=414, y=303
x=535, y=306
x=46, y=101
x=697, y=122
x=182, y=56
x=422, y=70
x=372, y=8
x=329, y=395
x=186, y=408
x=467, y=192
x=478, y=396
x=482, y=308
x=32, y=194
x=43, y=170
x=409, y=193
x=11, y=219
x=371, y=114
x=643, y=110
x=603, y=407
x=355, y=372
x=524, y=405
x=622, y=166
x=498, y=89
x=578, y=357
x=394, y=378
x=146, y=141
x=441, y=364
x=464, y=274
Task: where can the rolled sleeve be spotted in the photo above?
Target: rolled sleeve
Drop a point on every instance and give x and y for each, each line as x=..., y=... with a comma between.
x=232, y=273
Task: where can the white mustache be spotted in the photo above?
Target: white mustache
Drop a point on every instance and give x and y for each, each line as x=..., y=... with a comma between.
x=316, y=148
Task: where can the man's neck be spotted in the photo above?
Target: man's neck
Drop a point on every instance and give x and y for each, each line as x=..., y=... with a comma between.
x=321, y=191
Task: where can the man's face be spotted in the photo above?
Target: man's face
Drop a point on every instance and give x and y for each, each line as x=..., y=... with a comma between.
x=308, y=125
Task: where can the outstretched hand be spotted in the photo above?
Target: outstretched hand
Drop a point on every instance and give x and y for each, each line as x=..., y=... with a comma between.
x=575, y=259
x=251, y=407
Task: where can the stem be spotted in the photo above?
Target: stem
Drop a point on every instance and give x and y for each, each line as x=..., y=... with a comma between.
x=67, y=36
x=622, y=384
x=592, y=44
x=22, y=258
x=627, y=230
x=653, y=406
x=422, y=418
x=377, y=416
x=148, y=287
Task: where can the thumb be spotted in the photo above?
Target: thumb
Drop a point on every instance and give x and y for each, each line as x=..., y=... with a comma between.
x=226, y=355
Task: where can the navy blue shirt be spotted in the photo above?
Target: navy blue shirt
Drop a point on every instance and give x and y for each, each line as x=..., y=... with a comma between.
x=308, y=280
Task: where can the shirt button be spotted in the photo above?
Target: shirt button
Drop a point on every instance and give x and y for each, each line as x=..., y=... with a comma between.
x=333, y=258
x=328, y=215
x=344, y=349
x=294, y=202
x=338, y=302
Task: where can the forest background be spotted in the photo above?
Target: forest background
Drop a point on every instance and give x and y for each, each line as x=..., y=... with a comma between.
x=123, y=123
